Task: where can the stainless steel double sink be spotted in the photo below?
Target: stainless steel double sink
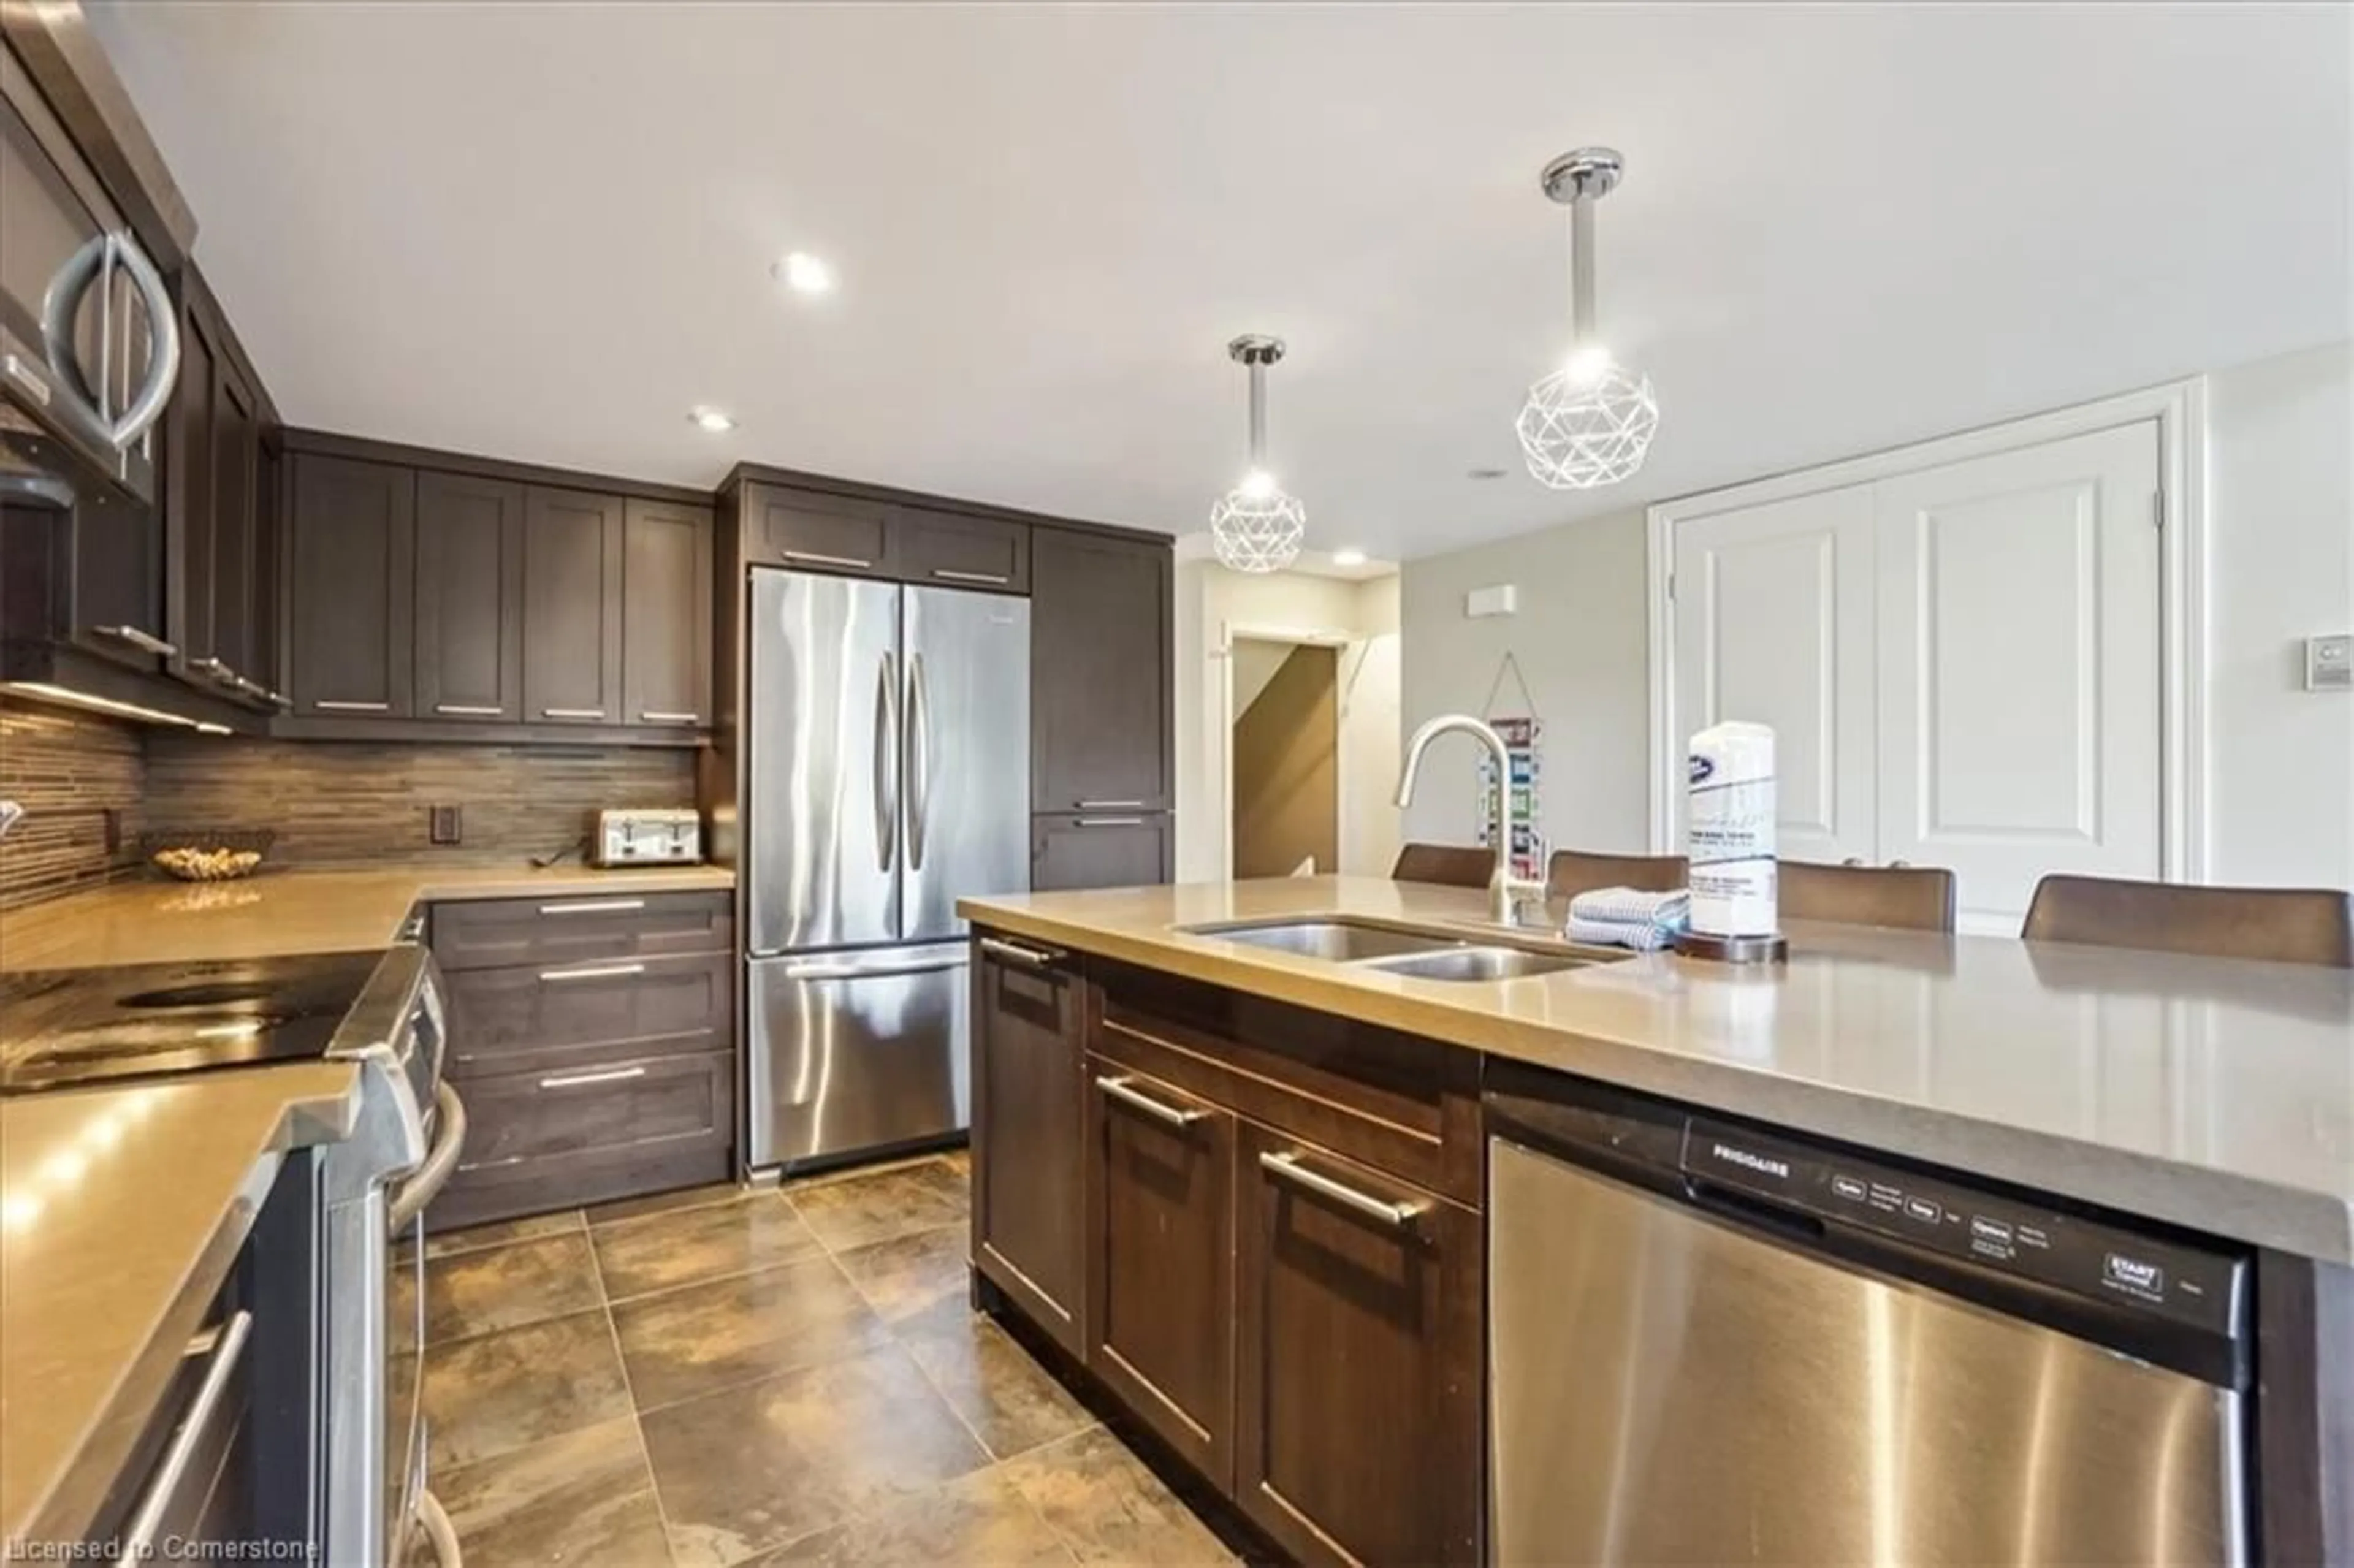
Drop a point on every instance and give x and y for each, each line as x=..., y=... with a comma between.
x=1396, y=951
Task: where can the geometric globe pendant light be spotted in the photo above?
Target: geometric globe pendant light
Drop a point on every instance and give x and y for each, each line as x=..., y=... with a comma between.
x=1590, y=422
x=1256, y=527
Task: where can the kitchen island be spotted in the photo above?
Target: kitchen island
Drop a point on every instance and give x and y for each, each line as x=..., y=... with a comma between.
x=1150, y=1096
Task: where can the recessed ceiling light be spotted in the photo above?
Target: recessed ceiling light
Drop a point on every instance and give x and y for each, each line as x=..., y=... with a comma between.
x=804, y=273
x=711, y=420
x=1487, y=473
x=1349, y=557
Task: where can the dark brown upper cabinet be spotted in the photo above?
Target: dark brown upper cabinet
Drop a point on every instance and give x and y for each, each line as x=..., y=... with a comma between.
x=571, y=607
x=470, y=573
x=666, y=619
x=1029, y=1008
x=1101, y=620
x=816, y=532
x=951, y=550
x=218, y=544
x=352, y=580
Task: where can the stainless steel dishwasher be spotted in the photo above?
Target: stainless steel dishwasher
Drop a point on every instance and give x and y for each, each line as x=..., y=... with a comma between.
x=1711, y=1344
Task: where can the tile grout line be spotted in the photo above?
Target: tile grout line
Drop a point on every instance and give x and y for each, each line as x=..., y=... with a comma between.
x=630, y=1393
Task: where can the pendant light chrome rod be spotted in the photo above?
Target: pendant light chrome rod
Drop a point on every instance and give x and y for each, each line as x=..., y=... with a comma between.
x=1256, y=352
x=1257, y=417
x=1578, y=180
x=1581, y=272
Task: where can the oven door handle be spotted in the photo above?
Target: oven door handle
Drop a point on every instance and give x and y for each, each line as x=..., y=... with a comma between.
x=448, y=1142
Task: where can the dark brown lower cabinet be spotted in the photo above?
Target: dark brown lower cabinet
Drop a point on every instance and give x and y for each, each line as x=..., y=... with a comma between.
x=1103, y=850
x=1028, y=1013
x=1159, y=1240
x=1358, y=1366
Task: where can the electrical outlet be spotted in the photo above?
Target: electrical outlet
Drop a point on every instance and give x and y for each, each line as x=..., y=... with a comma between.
x=2329, y=663
x=443, y=825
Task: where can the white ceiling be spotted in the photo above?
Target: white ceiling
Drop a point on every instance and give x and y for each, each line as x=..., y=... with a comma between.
x=544, y=230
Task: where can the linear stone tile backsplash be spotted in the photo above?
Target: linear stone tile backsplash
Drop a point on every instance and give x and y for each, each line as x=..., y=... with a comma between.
x=342, y=804
x=68, y=770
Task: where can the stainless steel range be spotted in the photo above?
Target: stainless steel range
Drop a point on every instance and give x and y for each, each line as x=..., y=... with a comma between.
x=346, y=1462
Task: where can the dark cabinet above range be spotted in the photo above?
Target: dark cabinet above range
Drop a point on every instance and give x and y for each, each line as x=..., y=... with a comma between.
x=457, y=598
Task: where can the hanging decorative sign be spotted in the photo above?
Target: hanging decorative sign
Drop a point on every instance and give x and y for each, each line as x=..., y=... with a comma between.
x=1522, y=737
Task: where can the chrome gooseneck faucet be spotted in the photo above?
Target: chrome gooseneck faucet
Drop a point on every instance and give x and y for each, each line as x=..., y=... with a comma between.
x=1504, y=890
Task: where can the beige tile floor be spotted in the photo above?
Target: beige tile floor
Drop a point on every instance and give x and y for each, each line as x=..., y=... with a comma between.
x=723, y=1376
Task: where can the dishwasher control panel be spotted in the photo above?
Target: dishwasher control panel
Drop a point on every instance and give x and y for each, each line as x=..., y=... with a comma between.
x=2187, y=1285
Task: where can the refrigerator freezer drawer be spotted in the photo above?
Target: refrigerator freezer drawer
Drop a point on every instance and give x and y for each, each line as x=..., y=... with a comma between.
x=857, y=1051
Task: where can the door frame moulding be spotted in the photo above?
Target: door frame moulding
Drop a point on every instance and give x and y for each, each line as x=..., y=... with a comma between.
x=2179, y=408
x=1220, y=656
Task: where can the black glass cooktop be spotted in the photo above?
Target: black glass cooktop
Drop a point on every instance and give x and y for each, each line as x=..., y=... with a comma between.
x=73, y=1026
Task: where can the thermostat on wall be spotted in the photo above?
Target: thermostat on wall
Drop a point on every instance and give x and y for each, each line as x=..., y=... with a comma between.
x=1502, y=599
x=2329, y=663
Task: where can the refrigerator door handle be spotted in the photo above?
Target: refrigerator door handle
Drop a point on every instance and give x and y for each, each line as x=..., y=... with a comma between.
x=919, y=760
x=886, y=763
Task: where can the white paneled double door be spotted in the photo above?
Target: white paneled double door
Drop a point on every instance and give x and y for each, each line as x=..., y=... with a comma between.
x=1962, y=664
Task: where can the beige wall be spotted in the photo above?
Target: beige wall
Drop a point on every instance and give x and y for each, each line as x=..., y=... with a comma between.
x=1211, y=599
x=1578, y=639
x=2280, y=568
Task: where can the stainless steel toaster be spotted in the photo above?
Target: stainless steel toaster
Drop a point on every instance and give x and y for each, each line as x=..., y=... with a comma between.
x=647, y=836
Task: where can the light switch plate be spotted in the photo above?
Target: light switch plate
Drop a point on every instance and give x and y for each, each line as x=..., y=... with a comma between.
x=2329, y=663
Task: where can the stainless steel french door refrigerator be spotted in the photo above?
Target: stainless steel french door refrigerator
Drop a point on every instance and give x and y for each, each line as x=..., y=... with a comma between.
x=889, y=775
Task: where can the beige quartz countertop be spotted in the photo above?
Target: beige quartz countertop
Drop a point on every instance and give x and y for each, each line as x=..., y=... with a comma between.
x=277, y=914
x=2213, y=1094
x=120, y=1213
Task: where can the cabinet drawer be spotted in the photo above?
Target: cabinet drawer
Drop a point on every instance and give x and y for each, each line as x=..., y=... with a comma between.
x=943, y=550
x=531, y=1020
x=498, y=932
x=815, y=532
x=543, y=1140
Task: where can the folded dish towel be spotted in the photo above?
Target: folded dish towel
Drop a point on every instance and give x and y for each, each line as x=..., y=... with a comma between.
x=1627, y=917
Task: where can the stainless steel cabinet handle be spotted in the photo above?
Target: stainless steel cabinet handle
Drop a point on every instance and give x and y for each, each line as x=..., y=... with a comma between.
x=1119, y=1089
x=440, y=1535
x=25, y=375
x=919, y=760
x=1014, y=952
x=995, y=579
x=594, y=906
x=275, y=698
x=1287, y=1168
x=1110, y=822
x=1109, y=805
x=215, y=668
x=574, y=1080
x=887, y=761
x=94, y=265
x=572, y=713
x=224, y=1346
x=594, y=971
x=650, y=715
x=146, y=641
x=449, y=1143
x=815, y=560
x=328, y=704
x=467, y=710
x=1853, y=860
x=1901, y=864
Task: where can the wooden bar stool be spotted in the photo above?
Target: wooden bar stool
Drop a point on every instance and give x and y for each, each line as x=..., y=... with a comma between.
x=1573, y=871
x=1910, y=898
x=1452, y=866
x=2286, y=925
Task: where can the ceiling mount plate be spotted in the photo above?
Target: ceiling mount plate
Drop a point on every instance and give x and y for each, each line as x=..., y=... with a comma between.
x=1255, y=349
x=1587, y=172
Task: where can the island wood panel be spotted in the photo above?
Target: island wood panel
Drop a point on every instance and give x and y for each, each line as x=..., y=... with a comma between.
x=1358, y=1367
x=1028, y=1142
x=1404, y=1104
x=1160, y=1256
x=2305, y=1410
